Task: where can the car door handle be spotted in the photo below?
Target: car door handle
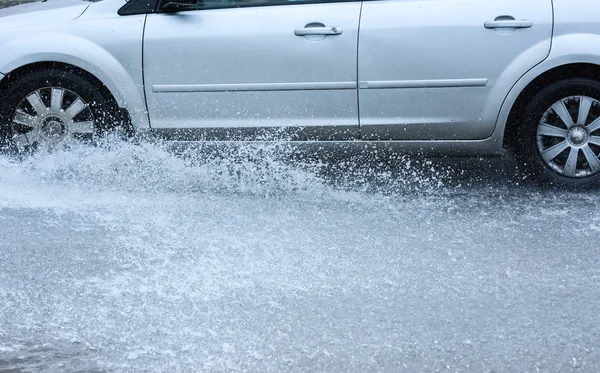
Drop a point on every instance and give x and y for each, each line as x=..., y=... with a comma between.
x=509, y=23
x=308, y=31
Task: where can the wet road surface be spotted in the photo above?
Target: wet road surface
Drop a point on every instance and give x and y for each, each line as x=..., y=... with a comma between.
x=131, y=259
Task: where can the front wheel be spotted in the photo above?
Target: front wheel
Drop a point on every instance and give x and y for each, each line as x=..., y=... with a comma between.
x=50, y=108
x=559, y=138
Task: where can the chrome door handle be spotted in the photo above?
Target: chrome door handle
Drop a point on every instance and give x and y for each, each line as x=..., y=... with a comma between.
x=318, y=31
x=509, y=23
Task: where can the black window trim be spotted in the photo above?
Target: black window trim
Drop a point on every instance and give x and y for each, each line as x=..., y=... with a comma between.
x=134, y=7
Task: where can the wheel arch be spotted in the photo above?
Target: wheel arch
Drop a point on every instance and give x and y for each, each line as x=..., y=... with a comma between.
x=82, y=56
x=556, y=74
x=14, y=76
x=573, y=55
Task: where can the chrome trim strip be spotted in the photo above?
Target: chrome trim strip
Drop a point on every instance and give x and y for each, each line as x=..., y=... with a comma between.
x=308, y=86
x=442, y=83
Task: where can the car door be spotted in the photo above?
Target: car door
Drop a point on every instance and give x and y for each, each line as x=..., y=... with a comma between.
x=431, y=69
x=253, y=69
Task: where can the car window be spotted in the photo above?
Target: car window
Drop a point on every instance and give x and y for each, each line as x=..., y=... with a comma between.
x=216, y=4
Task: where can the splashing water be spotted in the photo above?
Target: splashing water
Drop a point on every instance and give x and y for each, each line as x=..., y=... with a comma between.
x=260, y=170
x=146, y=257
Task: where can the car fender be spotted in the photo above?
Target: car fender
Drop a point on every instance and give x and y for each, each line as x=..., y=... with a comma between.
x=566, y=49
x=526, y=61
x=84, y=54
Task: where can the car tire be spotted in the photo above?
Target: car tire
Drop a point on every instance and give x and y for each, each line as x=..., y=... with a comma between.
x=559, y=137
x=51, y=107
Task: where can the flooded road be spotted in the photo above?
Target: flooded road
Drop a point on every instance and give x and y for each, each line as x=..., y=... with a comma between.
x=131, y=259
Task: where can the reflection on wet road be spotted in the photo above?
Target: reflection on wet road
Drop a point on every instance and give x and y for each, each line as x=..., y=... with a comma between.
x=133, y=259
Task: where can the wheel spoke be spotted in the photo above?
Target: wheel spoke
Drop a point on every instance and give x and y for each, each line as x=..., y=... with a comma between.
x=56, y=99
x=23, y=118
x=571, y=165
x=563, y=113
x=33, y=135
x=75, y=108
x=594, y=140
x=82, y=127
x=594, y=126
x=592, y=158
x=548, y=130
x=553, y=152
x=585, y=104
x=36, y=101
x=24, y=139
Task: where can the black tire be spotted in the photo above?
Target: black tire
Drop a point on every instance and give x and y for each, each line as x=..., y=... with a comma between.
x=527, y=150
x=104, y=109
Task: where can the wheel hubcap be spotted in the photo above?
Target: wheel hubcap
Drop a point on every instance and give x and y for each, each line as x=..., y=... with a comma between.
x=53, y=129
x=50, y=116
x=577, y=136
x=568, y=136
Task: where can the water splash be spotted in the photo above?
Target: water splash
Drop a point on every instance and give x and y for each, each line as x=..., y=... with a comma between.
x=145, y=257
x=262, y=169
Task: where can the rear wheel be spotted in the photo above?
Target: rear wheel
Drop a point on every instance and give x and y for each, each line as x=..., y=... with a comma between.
x=52, y=108
x=559, y=139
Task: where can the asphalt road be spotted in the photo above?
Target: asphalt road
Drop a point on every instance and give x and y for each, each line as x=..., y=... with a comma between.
x=131, y=259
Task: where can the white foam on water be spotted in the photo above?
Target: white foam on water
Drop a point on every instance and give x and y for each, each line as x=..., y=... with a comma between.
x=192, y=226
x=130, y=257
x=86, y=175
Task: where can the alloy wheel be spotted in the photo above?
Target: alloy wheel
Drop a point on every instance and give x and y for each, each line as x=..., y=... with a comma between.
x=568, y=136
x=51, y=116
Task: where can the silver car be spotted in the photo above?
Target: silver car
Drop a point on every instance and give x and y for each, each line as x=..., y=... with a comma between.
x=450, y=77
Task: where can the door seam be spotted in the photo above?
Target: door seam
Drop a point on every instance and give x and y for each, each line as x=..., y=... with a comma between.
x=357, y=69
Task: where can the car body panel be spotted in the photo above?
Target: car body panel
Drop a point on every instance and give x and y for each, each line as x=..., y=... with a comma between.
x=576, y=40
x=114, y=56
x=428, y=72
x=94, y=38
x=216, y=68
x=41, y=12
